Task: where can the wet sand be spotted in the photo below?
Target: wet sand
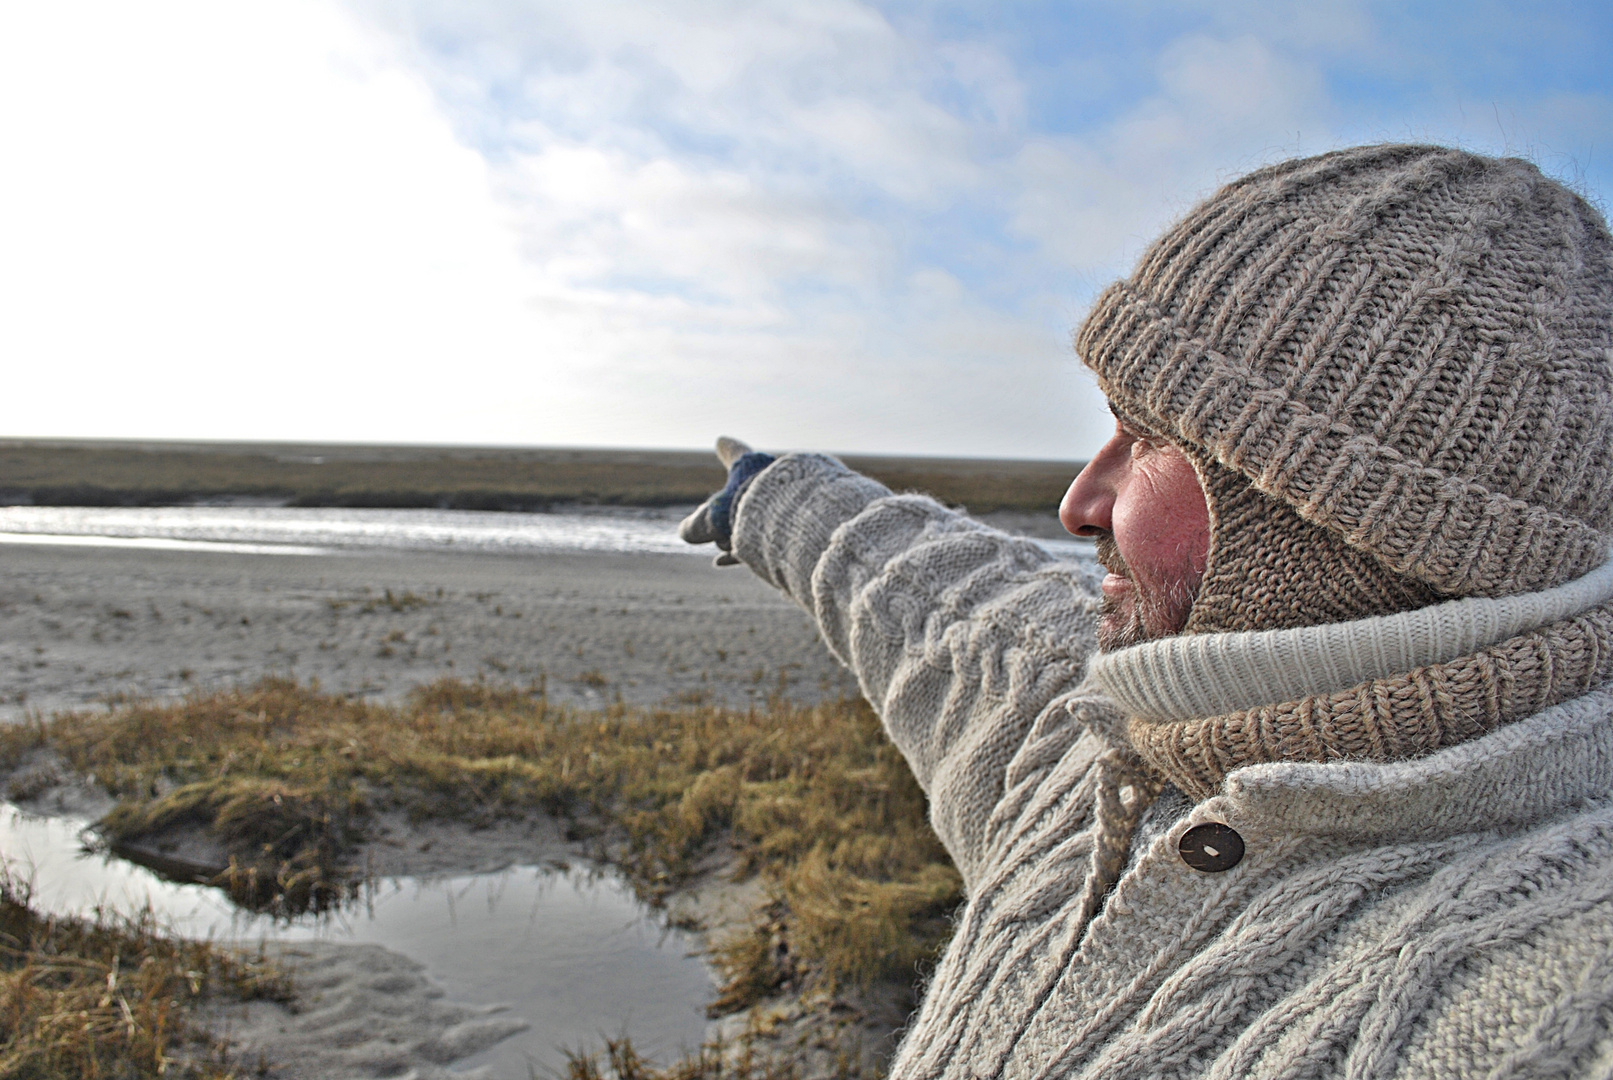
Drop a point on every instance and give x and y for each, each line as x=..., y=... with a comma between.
x=90, y=626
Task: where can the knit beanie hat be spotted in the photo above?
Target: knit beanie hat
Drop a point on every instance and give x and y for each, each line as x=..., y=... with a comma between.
x=1393, y=369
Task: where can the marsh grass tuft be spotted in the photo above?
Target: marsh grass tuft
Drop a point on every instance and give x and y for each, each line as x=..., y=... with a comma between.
x=740, y=1061
x=109, y=997
x=284, y=843
x=286, y=780
x=756, y=962
x=407, y=600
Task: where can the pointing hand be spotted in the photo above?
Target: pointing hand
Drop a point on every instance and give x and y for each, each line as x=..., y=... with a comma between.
x=713, y=521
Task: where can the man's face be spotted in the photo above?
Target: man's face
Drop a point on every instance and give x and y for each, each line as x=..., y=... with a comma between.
x=1141, y=500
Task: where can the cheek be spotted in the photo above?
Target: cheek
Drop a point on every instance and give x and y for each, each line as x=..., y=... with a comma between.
x=1162, y=524
x=1191, y=523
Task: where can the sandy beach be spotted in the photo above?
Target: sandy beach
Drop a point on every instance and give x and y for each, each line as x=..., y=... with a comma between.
x=87, y=626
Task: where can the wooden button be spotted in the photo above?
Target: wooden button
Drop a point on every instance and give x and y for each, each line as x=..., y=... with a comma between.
x=1211, y=847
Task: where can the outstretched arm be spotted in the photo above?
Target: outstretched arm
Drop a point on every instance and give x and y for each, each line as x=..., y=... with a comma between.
x=960, y=635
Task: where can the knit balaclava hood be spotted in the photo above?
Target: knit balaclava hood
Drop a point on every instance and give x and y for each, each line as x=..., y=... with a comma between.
x=1393, y=369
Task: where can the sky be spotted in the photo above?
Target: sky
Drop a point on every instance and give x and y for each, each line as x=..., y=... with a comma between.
x=830, y=224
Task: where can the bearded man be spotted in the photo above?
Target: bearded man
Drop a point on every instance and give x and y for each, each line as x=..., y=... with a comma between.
x=1318, y=780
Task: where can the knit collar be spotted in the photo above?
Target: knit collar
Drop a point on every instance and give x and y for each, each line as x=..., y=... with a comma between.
x=1198, y=675
x=1198, y=711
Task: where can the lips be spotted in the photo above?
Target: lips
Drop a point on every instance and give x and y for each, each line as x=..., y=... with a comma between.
x=1115, y=585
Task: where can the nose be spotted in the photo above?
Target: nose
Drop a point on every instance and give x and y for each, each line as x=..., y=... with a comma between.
x=1088, y=505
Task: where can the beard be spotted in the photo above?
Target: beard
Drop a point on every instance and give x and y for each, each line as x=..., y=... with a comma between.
x=1150, y=612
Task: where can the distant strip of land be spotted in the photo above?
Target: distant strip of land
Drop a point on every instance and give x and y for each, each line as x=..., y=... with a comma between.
x=118, y=473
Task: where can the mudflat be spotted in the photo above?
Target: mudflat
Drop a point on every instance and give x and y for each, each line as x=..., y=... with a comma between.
x=81, y=627
x=93, y=626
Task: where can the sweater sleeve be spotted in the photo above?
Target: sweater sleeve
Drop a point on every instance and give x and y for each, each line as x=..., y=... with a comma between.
x=960, y=635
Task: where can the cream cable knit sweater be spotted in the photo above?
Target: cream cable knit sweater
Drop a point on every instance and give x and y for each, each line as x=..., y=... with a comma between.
x=1450, y=916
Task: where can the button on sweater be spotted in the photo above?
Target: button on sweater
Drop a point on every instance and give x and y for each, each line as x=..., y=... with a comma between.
x=1446, y=915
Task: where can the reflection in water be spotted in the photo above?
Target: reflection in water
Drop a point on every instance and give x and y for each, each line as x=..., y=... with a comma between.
x=570, y=950
x=284, y=530
x=254, y=529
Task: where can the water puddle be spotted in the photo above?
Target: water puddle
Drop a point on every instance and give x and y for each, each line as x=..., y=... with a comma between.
x=285, y=530
x=569, y=950
x=155, y=543
x=321, y=530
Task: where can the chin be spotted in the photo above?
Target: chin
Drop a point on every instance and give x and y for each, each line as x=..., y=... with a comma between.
x=1120, y=629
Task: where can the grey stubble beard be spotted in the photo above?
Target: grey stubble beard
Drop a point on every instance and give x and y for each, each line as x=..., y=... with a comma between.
x=1154, y=613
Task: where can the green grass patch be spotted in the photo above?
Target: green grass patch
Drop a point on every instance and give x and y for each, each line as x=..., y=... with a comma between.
x=111, y=997
x=814, y=800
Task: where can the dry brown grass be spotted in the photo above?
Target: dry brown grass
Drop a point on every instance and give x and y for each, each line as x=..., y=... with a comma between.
x=62, y=473
x=815, y=800
x=741, y=1061
x=112, y=997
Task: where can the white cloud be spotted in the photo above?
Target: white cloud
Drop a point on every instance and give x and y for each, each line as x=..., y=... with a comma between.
x=597, y=216
x=242, y=222
x=1221, y=108
x=254, y=223
x=626, y=222
x=750, y=287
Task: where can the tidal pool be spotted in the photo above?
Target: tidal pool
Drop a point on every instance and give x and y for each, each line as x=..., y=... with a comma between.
x=568, y=949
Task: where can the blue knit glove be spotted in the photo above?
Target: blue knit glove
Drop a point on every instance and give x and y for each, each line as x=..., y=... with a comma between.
x=713, y=522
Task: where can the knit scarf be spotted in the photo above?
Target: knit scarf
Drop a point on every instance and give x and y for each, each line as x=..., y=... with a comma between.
x=1382, y=689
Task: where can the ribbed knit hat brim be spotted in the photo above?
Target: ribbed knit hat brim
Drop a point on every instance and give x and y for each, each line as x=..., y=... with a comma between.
x=1410, y=346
